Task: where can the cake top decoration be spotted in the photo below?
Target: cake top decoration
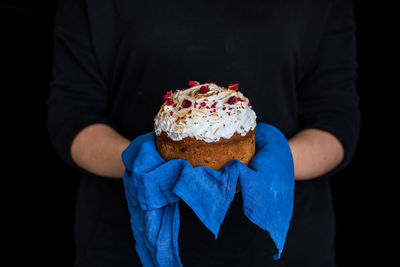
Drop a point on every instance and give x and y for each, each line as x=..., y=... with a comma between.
x=205, y=112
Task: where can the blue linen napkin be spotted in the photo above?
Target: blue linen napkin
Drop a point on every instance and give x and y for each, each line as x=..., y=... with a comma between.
x=154, y=187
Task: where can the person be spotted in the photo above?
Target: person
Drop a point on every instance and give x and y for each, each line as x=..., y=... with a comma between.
x=113, y=62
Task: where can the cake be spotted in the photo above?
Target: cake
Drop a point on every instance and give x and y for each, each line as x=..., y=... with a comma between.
x=207, y=125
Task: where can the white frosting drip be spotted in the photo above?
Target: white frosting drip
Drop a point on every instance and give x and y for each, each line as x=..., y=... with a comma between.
x=208, y=124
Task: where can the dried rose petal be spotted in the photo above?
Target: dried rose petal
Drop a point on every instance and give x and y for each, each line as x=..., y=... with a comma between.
x=232, y=100
x=169, y=102
x=186, y=103
x=167, y=95
x=193, y=83
x=233, y=86
x=203, y=90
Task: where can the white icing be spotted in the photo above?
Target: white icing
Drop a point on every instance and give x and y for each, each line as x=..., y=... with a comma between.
x=204, y=123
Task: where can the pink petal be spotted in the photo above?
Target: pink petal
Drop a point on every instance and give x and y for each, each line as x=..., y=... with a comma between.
x=193, y=83
x=233, y=86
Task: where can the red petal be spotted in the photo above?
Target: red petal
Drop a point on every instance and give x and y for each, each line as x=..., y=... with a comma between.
x=186, y=103
x=203, y=90
x=233, y=86
x=232, y=100
x=167, y=95
x=169, y=102
x=193, y=83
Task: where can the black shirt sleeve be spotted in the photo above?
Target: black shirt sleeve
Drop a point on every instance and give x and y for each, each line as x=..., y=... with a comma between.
x=327, y=94
x=78, y=94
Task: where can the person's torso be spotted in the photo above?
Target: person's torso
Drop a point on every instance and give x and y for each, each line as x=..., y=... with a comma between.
x=146, y=48
x=149, y=47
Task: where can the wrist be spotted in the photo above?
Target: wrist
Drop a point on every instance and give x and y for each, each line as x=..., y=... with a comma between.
x=97, y=148
x=315, y=153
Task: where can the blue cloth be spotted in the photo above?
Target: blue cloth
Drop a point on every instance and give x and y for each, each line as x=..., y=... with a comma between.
x=154, y=187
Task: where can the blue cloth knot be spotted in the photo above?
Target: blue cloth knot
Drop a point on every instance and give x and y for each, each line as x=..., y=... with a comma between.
x=154, y=187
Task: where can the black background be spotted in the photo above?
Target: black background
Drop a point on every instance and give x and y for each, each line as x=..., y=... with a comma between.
x=38, y=190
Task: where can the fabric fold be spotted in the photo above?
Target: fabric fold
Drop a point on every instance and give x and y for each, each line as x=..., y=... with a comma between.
x=268, y=184
x=208, y=192
x=154, y=187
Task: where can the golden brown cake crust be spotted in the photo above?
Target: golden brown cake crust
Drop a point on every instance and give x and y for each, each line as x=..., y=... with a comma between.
x=213, y=155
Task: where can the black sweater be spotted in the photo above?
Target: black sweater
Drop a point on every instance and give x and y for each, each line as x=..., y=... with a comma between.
x=294, y=60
